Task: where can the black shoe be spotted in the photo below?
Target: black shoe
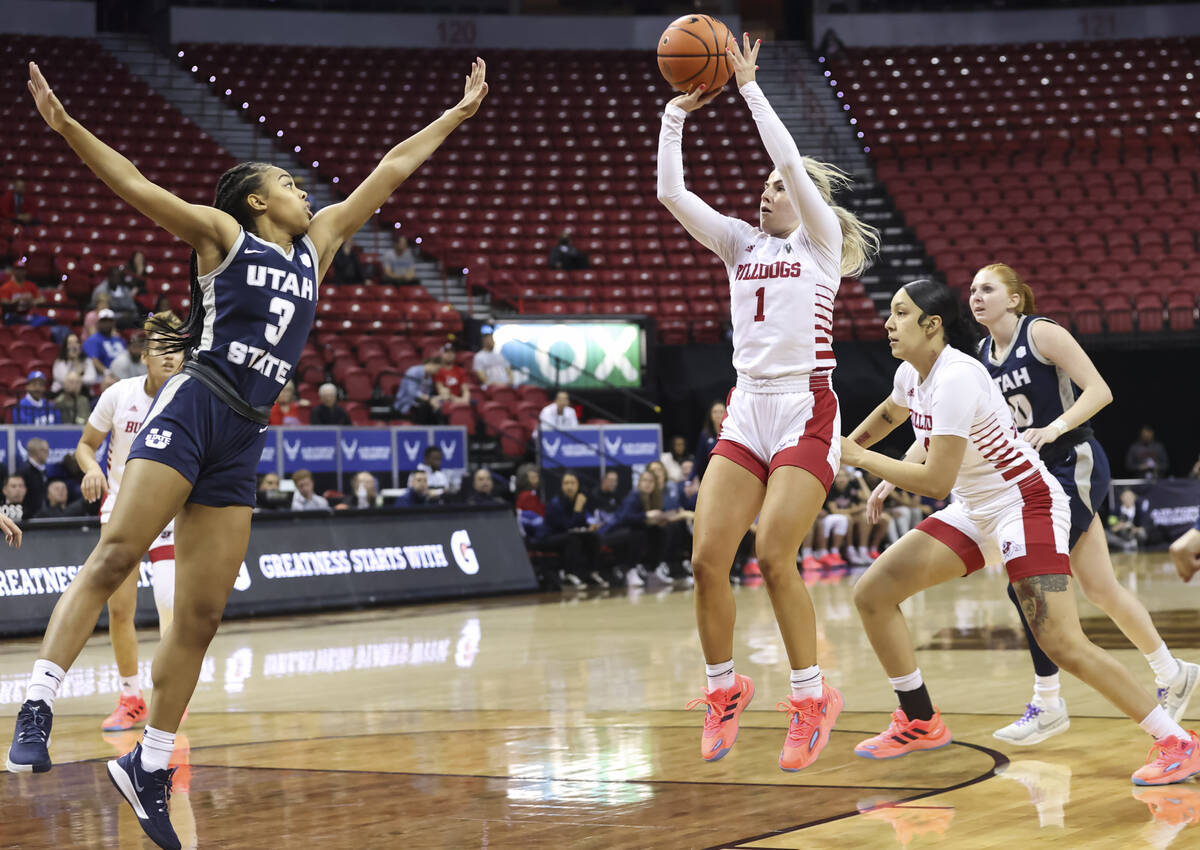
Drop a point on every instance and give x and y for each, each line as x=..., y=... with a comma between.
x=148, y=794
x=30, y=750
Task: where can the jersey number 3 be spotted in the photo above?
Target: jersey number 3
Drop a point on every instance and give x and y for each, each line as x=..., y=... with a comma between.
x=284, y=309
x=760, y=316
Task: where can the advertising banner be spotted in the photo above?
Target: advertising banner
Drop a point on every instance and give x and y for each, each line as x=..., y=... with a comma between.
x=411, y=445
x=314, y=449
x=1170, y=506
x=631, y=445
x=602, y=446
x=453, y=443
x=570, y=447
x=574, y=355
x=300, y=562
x=269, y=462
x=366, y=449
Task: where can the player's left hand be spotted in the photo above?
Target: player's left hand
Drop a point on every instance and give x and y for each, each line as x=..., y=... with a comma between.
x=12, y=534
x=474, y=90
x=1038, y=437
x=742, y=60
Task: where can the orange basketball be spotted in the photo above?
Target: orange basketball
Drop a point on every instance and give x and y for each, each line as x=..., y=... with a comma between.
x=692, y=51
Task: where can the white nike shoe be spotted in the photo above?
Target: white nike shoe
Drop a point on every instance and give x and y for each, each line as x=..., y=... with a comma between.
x=1038, y=723
x=634, y=579
x=663, y=573
x=1176, y=696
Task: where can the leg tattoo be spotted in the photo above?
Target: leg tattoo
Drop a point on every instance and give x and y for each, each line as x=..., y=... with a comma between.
x=1032, y=593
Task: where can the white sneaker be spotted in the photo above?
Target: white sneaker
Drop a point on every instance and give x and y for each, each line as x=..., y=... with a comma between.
x=1036, y=725
x=570, y=581
x=634, y=579
x=1175, y=697
x=598, y=580
x=856, y=557
x=663, y=573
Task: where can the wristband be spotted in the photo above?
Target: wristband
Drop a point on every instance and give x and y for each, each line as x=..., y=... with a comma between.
x=1059, y=426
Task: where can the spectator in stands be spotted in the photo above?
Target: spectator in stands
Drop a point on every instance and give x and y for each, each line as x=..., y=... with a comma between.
x=347, y=266
x=107, y=381
x=1127, y=524
x=709, y=432
x=328, y=411
x=16, y=206
x=365, y=492
x=58, y=502
x=641, y=515
x=286, y=410
x=72, y=359
x=33, y=473
x=559, y=413
x=439, y=481
x=674, y=457
x=605, y=500
x=133, y=273
x=120, y=297
x=451, y=380
x=270, y=497
x=689, y=487
x=305, y=497
x=13, y=506
x=491, y=367
x=35, y=408
x=92, y=318
x=129, y=363
x=19, y=295
x=74, y=405
x=415, y=398
x=105, y=344
x=527, y=483
x=482, y=490
x=569, y=532
x=1147, y=457
x=399, y=263
x=675, y=539
x=418, y=492
x=564, y=255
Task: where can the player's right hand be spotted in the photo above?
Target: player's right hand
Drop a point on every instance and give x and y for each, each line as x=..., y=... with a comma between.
x=875, y=501
x=47, y=104
x=693, y=100
x=11, y=532
x=94, y=485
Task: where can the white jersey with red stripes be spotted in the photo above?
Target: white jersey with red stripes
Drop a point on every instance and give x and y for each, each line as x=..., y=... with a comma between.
x=958, y=398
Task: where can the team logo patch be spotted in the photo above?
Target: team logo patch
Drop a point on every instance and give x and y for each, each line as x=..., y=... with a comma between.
x=305, y=261
x=1021, y=351
x=157, y=439
x=1012, y=549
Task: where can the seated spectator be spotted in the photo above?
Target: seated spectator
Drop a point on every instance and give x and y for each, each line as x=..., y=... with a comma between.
x=482, y=490
x=270, y=497
x=675, y=538
x=418, y=492
x=74, y=405
x=16, y=207
x=105, y=344
x=528, y=481
x=490, y=366
x=35, y=408
x=33, y=473
x=439, y=482
x=675, y=455
x=129, y=363
x=305, y=497
x=72, y=359
x=689, y=486
x=347, y=267
x=364, y=492
x=13, y=506
x=91, y=319
x=846, y=509
x=564, y=255
x=710, y=431
x=57, y=503
x=18, y=295
x=120, y=297
x=569, y=533
x=605, y=500
x=451, y=380
x=641, y=515
x=399, y=263
x=415, y=397
x=1127, y=523
x=559, y=413
x=1147, y=457
x=328, y=411
x=286, y=410
x=133, y=273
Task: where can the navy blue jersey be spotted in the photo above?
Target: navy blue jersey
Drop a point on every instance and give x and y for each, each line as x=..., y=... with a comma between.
x=259, y=306
x=1037, y=391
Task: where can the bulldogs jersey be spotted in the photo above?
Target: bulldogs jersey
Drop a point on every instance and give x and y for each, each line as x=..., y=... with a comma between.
x=958, y=398
x=259, y=306
x=119, y=413
x=1037, y=391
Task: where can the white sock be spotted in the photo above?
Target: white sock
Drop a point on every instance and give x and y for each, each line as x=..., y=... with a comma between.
x=157, y=747
x=807, y=683
x=1159, y=724
x=720, y=676
x=907, y=683
x=129, y=686
x=1047, y=689
x=1164, y=665
x=44, y=682
x=821, y=553
x=806, y=552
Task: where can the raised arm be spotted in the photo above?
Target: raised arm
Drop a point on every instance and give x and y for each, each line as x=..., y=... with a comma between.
x=820, y=221
x=334, y=224
x=208, y=230
x=1055, y=343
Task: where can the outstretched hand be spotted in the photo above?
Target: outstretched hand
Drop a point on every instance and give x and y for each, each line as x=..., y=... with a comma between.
x=696, y=98
x=474, y=90
x=12, y=533
x=47, y=104
x=742, y=60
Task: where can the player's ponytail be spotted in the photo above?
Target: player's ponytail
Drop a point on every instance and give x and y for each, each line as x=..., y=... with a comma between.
x=937, y=299
x=860, y=241
x=1014, y=284
x=230, y=197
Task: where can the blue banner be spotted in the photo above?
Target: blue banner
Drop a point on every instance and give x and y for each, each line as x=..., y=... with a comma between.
x=366, y=449
x=269, y=462
x=631, y=445
x=589, y=446
x=570, y=447
x=314, y=449
x=410, y=448
x=62, y=440
x=453, y=443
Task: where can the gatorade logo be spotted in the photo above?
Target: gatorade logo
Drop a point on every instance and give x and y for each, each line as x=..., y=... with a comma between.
x=464, y=553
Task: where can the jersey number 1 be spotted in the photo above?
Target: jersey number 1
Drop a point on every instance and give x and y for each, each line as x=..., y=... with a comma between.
x=284, y=309
x=760, y=316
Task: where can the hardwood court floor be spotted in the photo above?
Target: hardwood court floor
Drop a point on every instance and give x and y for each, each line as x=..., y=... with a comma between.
x=557, y=721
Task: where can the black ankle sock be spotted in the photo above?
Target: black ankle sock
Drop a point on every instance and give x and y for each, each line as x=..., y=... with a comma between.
x=916, y=704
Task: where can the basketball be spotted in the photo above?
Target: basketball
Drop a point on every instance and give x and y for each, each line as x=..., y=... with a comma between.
x=691, y=51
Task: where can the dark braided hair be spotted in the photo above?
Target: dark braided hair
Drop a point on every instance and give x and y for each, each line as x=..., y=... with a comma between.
x=937, y=299
x=230, y=197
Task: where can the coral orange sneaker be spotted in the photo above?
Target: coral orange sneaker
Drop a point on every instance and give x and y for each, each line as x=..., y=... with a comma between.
x=808, y=731
x=1176, y=761
x=751, y=568
x=721, y=719
x=810, y=564
x=906, y=736
x=181, y=761
x=130, y=712
x=833, y=559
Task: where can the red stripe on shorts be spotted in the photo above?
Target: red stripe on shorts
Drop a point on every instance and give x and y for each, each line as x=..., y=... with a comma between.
x=1041, y=551
x=742, y=456
x=163, y=553
x=967, y=549
x=811, y=453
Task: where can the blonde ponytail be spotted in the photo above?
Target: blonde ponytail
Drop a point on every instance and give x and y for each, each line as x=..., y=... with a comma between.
x=860, y=241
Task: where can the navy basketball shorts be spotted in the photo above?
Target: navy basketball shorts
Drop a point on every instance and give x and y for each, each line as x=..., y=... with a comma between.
x=200, y=437
x=1085, y=476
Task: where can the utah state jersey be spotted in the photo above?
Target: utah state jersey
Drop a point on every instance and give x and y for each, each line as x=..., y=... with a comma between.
x=259, y=306
x=1037, y=391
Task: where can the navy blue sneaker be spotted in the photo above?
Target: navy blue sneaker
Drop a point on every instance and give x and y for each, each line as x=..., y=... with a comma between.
x=148, y=794
x=30, y=750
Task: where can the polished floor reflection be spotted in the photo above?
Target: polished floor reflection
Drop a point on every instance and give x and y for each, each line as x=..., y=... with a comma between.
x=558, y=721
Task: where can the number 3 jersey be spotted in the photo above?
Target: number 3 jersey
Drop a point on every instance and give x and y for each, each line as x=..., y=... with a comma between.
x=259, y=305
